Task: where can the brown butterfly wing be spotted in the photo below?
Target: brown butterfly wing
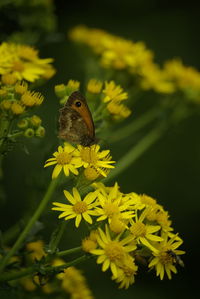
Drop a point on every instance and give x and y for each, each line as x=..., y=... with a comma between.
x=76, y=125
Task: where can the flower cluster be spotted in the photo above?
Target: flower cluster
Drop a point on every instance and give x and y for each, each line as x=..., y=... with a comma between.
x=73, y=282
x=21, y=62
x=105, y=98
x=134, y=57
x=16, y=100
x=90, y=159
x=70, y=281
x=129, y=229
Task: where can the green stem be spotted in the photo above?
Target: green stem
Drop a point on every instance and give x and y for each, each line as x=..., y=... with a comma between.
x=136, y=151
x=56, y=236
x=135, y=125
x=45, y=269
x=69, y=251
x=29, y=225
x=5, y=125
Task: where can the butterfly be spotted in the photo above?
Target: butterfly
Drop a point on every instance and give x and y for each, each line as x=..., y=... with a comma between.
x=75, y=121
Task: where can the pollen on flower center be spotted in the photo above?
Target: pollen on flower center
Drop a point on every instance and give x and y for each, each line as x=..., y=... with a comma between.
x=18, y=66
x=110, y=209
x=129, y=271
x=63, y=158
x=88, y=155
x=80, y=207
x=138, y=229
x=114, y=251
x=165, y=258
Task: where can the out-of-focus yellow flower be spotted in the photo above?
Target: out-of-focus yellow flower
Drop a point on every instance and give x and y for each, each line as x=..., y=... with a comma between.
x=8, y=79
x=30, y=98
x=118, y=111
x=94, y=86
x=36, y=249
x=152, y=77
x=23, y=62
x=21, y=87
x=113, y=92
x=17, y=108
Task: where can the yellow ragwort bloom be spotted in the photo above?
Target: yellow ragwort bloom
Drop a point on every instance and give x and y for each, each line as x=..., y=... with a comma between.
x=77, y=208
x=144, y=233
x=112, y=252
x=94, y=86
x=167, y=256
x=17, y=108
x=66, y=158
x=127, y=272
x=91, y=156
x=111, y=205
x=31, y=98
x=113, y=92
x=118, y=111
x=36, y=249
x=22, y=62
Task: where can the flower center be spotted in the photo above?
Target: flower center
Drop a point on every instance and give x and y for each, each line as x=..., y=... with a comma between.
x=18, y=66
x=138, y=229
x=110, y=209
x=63, y=158
x=88, y=155
x=129, y=271
x=165, y=258
x=114, y=251
x=80, y=207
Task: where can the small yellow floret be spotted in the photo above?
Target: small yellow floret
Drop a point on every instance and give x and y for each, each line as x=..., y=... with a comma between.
x=35, y=121
x=8, y=79
x=21, y=87
x=17, y=108
x=94, y=86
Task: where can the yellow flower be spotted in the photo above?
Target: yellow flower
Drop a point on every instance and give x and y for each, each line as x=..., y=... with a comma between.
x=36, y=249
x=92, y=157
x=35, y=121
x=21, y=87
x=94, y=86
x=17, y=108
x=6, y=104
x=113, y=92
x=166, y=256
x=116, y=225
x=8, y=79
x=73, y=84
x=90, y=243
x=74, y=283
x=78, y=208
x=114, y=252
x=118, y=111
x=3, y=92
x=60, y=90
x=127, y=273
x=22, y=62
x=31, y=98
x=65, y=158
x=152, y=77
x=112, y=205
x=143, y=233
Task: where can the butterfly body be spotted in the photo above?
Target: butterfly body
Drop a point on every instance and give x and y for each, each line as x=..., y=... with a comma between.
x=76, y=124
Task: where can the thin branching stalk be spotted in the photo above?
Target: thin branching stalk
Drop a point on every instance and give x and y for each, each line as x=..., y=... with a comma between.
x=30, y=224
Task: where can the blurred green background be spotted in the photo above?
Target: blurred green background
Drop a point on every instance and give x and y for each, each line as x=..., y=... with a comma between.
x=169, y=171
